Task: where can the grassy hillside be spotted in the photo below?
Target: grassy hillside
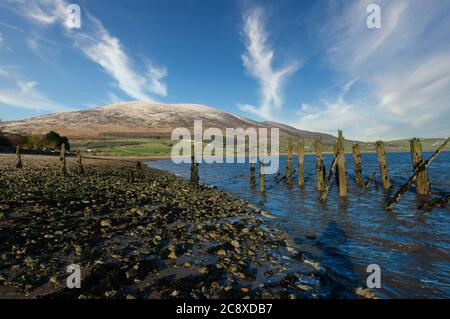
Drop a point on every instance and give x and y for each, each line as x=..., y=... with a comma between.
x=162, y=146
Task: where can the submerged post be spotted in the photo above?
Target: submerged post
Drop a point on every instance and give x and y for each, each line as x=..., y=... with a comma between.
x=80, y=163
x=19, y=157
x=381, y=155
x=62, y=158
x=194, y=167
x=252, y=174
x=262, y=182
x=341, y=165
x=422, y=165
x=301, y=161
x=358, y=165
x=319, y=165
x=422, y=182
x=289, y=163
x=336, y=152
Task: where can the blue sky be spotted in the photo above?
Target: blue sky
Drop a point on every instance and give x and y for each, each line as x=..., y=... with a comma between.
x=311, y=64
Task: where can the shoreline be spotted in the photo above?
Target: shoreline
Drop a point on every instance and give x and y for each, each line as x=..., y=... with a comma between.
x=140, y=234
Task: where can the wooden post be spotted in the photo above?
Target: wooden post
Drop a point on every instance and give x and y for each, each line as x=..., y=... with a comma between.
x=252, y=174
x=319, y=165
x=301, y=161
x=323, y=197
x=358, y=165
x=383, y=165
x=19, y=157
x=412, y=179
x=341, y=165
x=62, y=158
x=336, y=152
x=80, y=163
x=422, y=183
x=194, y=167
x=289, y=163
x=262, y=182
x=139, y=169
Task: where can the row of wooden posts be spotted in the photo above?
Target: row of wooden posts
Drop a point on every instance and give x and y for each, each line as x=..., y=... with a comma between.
x=323, y=181
x=62, y=159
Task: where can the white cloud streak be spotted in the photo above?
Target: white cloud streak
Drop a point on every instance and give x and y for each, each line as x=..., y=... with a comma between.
x=258, y=61
x=404, y=67
x=24, y=94
x=98, y=45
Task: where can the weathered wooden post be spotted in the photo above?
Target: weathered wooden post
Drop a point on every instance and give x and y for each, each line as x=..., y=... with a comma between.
x=194, y=167
x=412, y=179
x=262, y=182
x=323, y=197
x=62, y=158
x=336, y=152
x=381, y=155
x=289, y=163
x=358, y=165
x=80, y=163
x=139, y=169
x=319, y=165
x=301, y=161
x=252, y=174
x=422, y=183
x=341, y=165
x=19, y=157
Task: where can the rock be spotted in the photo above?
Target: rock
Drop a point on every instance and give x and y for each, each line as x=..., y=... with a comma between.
x=78, y=250
x=53, y=281
x=244, y=290
x=365, y=293
x=215, y=285
x=106, y=223
x=172, y=255
x=221, y=252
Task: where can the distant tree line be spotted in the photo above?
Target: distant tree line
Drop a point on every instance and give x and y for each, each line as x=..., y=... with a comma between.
x=35, y=142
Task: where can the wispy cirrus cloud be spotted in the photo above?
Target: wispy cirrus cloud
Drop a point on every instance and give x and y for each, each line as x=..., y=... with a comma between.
x=258, y=61
x=98, y=45
x=404, y=68
x=108, y=52
x=24, y=94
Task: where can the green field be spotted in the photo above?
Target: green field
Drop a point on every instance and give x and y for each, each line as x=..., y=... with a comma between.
x=141, y=147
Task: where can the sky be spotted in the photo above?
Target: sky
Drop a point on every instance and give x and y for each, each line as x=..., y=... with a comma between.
x=315, y=65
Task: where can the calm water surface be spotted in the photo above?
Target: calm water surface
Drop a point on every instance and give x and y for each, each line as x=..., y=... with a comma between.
x=411, y=246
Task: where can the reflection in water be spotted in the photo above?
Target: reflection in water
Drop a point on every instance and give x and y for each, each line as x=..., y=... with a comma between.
x=348, y=234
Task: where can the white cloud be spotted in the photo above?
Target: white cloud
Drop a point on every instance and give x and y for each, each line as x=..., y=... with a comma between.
x=24, y=94
x=98, y=45
x=1, y=39
x=404, y=68
x=258, y=61
x=107, y=51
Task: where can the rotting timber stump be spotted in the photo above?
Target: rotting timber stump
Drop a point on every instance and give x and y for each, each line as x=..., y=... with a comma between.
x=381, y=156
x=301, y=162
x=319, y=165
x=289, y=163
x=358, y=164
x=422, y=182
x=341, y=165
